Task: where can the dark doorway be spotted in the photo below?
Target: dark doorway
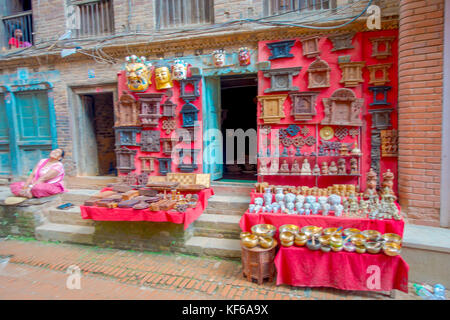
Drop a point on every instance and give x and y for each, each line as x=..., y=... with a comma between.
x=99, y=113
x=238, y=108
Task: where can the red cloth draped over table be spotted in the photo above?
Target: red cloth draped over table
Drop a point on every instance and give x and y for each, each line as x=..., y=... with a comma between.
x=299, y=266
x=122, y=214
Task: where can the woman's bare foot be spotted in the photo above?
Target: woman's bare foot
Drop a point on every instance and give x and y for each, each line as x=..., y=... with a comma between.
x=26, y=193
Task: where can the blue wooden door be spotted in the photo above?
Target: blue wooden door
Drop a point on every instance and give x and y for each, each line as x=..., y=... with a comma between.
x=34, y=134
x=5, y=159
x=212, y=137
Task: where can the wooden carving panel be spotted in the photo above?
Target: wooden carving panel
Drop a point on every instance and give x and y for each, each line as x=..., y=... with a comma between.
x=389, y=143
x=147, y=164
x=303, y=105
x=125, y=159
x=281, y=79
x=272, y=108
x=382, y=47
x=342, y=41
x=375, y=70
x=343, y=108
x=352, y=73
x=150, y=105
x=126, y=111
x=150, y=141
x=319, y=74
x=310, y=46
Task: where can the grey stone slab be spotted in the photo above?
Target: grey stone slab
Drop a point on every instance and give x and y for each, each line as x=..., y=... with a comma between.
x=65, y=233
x=426, y=238
x=227, y=248
x=218, y=222
x=71, y=216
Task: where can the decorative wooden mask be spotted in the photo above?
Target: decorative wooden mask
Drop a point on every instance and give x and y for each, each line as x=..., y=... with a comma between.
x=382, y=47
x=219, y=58
x=126, y=111
x=303, y=105
x=343, y=108
x=125, y=159
x=281, y=49
x=342, y=41
x=310, y=46
x=281, y=79
x=163, y=77
x=272, y=108
x=150, y=141
x=351, y=73
x=389, y=143
x=379, y=74
x=244, y=56
x=138, y=72
x=179, y=70
x=126, y=136
x=150, y=104
x=318, y=74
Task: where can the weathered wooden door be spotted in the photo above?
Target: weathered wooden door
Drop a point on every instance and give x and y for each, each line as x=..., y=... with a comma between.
x=5, y=158
x=212, y=137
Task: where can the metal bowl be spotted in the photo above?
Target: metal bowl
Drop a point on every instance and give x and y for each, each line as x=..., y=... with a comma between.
x=360, y=249
x=300, y=239
x=264, y=230
x=324, y=240
x=351, y=231
x=373, y=246
x=250, y=241
x=349, y=247
x=358, y=239
x=311, y=246
x=330, y=231
x=392, y=237
x=337, y=249
x=325, y=248
x=372, y=235
x=290, y=228
x=312, y=230
x=266, y=242
x=392, y=249
x=287, y=236
x=287, y=243
x=336, y=242
x=245, y=234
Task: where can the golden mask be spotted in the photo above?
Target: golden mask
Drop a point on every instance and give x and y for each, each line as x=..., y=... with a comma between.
x=138, y=73
x=162, y=78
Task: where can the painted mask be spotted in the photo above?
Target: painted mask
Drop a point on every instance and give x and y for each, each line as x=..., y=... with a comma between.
x=244, y=56
x=162, y=78
x=179, y=70
x=138, y=72
x=219, y=58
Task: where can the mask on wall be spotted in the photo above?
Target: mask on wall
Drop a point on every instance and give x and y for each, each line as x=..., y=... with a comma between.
x=219, y=58
x=162, y=77
x=138, y=73
x=244, y=56
x=179, y=70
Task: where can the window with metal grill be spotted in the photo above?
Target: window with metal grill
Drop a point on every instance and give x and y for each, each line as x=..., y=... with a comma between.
x=96, y=18
x=16, y=15
x=274, y=7
x=181, y=13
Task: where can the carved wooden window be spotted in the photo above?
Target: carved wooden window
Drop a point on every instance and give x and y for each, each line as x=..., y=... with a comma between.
x=303, y=105
x=125, y=159
x=379, y=73
x=150, y=141
x=168, y=144
x=126, y=111
x=281, y=79
x=342, y=41
x=382, y=47
x=126, y=136
x=351, y=73
x=17, y=13
x=178, y=13
x=273, y=7
x=191, y=153
x=147, y=164
x=96, y=17
x=150, y=105
x=310, y=46
x=343, y=108
x=169, y=108
x=272, y=108
x=319, y=74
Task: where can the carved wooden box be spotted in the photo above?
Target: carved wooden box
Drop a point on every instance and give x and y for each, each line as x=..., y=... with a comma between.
x=272, y=110
x=303, y=105
x=318, y=74
x=126, y=111
x=150, y=105
x=343, y=108
x=351, y=73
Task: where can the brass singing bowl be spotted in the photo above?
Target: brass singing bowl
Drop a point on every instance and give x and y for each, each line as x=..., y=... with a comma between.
x=290, y=228
x=324, y=240
x=392, y=237
x=360, y=249
x=336, y=249
x=358, y=239
x=330, y=231
x=250, y=241
x=300, y=239
x=336, y=241
x=266, y=242
x=312, y=230
x=392, y=249
x=287, y=236
x=287, y=243
x=349, y=247
x=351, y=231
x=372, y=235
x=264, y=230
x=325, y=248
x=373, y=246
x=244, y=234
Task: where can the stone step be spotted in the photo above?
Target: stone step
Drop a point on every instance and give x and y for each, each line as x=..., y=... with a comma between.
x=89, y=182
x=211, y=233
x=65, y=233
x=218, y=222
x=228, y=204
x=78, y=196
x=223, y=248
x=70, y=216
x=232, y=188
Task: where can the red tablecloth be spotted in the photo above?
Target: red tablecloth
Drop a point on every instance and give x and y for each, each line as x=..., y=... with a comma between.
x=299, y=266
x=121, y=214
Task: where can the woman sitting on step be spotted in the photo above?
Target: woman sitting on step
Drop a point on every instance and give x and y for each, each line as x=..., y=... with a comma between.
x=45, y=180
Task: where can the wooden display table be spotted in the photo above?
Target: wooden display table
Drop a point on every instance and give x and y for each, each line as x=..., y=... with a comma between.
x=258, y=263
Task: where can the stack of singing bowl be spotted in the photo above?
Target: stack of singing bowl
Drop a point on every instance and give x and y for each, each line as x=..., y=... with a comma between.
x=336, y=243
x=287, y=238
x=359, y=241
x=393, y=244
x=262, y=234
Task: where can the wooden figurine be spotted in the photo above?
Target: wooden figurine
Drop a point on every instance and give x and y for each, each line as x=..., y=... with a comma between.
x=371, y=184
x=332, y=169
x=341, y=166
x=353, y=166
x=388, y=182
x=324, y=168
x=306, y=168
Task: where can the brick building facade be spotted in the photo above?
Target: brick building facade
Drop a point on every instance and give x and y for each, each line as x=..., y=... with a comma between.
x=93, y=70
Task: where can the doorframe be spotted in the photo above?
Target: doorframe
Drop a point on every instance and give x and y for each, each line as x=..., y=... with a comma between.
x=75, y=107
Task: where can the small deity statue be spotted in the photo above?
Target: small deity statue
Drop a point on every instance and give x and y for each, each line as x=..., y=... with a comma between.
x=244, y=56
x=356, y=151
x=274, y=165
x=354, y=208
x=364, y=207
x=219, y=58
x=332, y=169
x=162, y=77
x=371, y=184
x=388, y=182
x=263, y=167
x=344, y=150
x=306, y=169
x=341, y=166
x=284, y=168
x=324, y=168
x=316, y=170
x=295, y=167
x=353, y=166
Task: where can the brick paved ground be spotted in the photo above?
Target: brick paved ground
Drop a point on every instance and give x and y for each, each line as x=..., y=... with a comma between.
x=37, y=270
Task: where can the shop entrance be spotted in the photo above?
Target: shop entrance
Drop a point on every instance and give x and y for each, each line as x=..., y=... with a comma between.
x=96, y=155
x=238, y=111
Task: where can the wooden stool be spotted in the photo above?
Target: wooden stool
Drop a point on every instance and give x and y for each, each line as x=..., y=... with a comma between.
x=257, y=263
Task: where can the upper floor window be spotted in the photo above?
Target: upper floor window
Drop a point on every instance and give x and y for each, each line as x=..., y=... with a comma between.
x=17, y=24
x=178, y=13
x=96, y=18
x=274, y=7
